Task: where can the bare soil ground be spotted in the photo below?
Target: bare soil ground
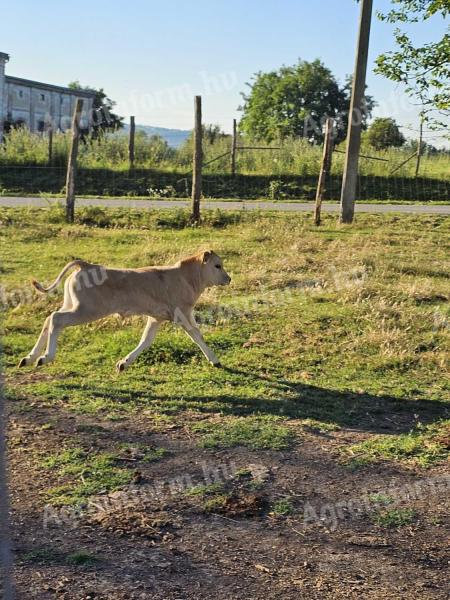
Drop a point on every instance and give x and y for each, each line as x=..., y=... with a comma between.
x=170, y=547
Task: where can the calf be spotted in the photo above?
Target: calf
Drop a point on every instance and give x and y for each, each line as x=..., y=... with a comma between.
x=93, y=292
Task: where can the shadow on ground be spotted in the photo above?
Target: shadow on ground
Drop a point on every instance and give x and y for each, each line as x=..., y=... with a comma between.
x=352, y=410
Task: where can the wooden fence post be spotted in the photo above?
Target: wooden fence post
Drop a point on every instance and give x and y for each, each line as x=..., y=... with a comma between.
x=233, y=149
x=50, y=144
x=325, y=168
x=72, y=162
x=197, y=161
x=419, y=148
x=131, y=142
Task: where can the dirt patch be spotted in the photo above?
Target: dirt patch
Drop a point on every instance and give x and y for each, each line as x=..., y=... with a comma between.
x=215, y=533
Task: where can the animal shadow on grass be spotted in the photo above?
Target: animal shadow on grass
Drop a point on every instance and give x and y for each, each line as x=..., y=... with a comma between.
x=358, y=411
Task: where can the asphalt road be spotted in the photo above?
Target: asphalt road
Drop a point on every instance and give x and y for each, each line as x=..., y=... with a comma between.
x=231, y=205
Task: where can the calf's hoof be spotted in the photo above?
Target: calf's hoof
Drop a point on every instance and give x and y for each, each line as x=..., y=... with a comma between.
x=40, y=361
x=121, y=366
x=23, y=362
x=217, y=364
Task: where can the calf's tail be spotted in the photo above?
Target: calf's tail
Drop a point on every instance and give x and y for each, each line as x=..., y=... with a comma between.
x=80, y=264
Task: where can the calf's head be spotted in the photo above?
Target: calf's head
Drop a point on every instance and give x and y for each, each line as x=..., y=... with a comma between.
x=212, y=271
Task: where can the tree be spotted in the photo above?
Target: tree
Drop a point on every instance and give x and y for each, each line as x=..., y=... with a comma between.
x=384, y=133
x=295, y=102
x=425, y=69
x=103, y=117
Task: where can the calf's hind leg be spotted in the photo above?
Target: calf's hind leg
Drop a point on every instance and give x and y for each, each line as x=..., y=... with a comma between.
x=38, y=347
x=57, y=321
x=43, y=336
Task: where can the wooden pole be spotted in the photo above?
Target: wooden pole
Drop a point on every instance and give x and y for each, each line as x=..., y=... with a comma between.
x=50, y=145
x=131, y=142
x=233, y=149
x=395, y=169
x=350, y=177
x=419, y=147
x=325, y=168
x=197, y=161
x=72, y=162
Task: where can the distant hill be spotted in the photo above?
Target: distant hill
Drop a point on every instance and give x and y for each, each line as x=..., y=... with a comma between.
x=174, y=137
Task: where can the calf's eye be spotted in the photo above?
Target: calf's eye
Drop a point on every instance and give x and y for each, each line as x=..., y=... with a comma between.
x=217, y=266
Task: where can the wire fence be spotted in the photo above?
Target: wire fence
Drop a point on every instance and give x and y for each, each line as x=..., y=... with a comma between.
x=233, y=167
x=152, y=183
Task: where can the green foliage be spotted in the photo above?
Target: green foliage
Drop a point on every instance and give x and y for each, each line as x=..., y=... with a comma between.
x=21, y=147
x=424, y=69
x=384, y=133
x=103, y=117
x=295, y=102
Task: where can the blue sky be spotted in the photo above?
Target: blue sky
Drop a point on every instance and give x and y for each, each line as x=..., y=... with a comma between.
x=152, y=57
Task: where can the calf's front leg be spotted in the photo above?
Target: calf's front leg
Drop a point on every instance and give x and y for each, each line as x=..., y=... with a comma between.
x=148, y=335
x=195, y=334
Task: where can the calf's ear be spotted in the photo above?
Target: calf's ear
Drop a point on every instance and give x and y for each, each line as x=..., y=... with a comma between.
x=206, y=256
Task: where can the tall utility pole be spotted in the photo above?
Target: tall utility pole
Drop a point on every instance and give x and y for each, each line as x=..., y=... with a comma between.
x=350, y=177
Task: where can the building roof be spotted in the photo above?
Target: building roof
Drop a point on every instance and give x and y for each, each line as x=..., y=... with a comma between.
x=49, y=86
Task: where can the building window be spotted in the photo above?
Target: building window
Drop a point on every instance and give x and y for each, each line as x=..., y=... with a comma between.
x=43, y=97
x=20, y=92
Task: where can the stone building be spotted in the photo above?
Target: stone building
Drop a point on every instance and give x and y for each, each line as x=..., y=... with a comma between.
x=39, y=106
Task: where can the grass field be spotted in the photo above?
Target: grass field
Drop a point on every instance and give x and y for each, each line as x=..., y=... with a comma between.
x=333, y=342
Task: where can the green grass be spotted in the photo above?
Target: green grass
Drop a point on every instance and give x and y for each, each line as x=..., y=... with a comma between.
x=283, y=507
x=423, y=446
x=216, y=503
x=322, y=329
x=43, y=556
x=140, y=452
x=381, y=498
x=395, y=517
x=51, y=556
x=252, y=432
x=204, y=490
x=86, y=474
